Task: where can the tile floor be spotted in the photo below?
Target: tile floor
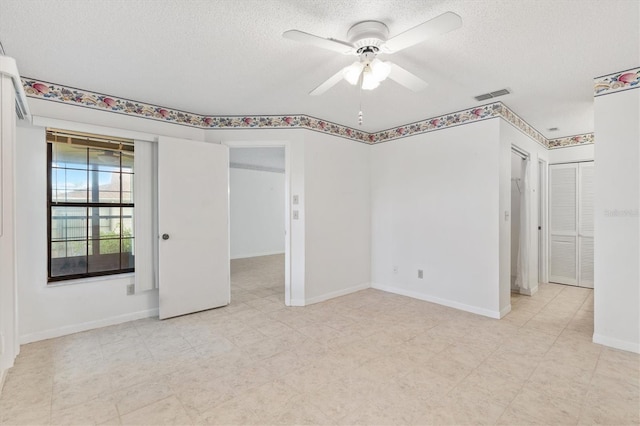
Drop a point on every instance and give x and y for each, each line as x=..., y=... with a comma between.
x=367, y=358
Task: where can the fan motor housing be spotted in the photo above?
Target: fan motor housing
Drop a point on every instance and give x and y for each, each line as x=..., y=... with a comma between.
x=368, y=34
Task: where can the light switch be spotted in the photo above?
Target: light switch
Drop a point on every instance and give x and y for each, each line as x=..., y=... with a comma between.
x=295, y=199
x=295, y=215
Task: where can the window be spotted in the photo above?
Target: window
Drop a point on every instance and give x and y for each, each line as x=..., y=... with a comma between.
x=90, y=205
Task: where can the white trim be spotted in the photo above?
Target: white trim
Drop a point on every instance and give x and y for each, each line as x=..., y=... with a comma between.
x=256, y=167
x=543, y=221
x=616, y=343
x=504, y=311
x=92, y=128
x=337, y=293
x=267, y=253
x=439, y=301
x=127, y=275
x=90, y=325
x=297, y=302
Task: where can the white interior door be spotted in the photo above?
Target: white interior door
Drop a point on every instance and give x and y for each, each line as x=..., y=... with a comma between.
x=193, y=221
x=563, y=224
x=585, y=224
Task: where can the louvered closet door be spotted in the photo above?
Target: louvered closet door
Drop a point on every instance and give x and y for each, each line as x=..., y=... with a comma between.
x=563, y=218
x=585, y=224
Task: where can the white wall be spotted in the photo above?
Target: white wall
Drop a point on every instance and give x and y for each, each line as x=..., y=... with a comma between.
x=338, y=216
x=571, y=154
x=256, y=203
x=435, y=204
x=52, y=310
x=47, y=311
x=8, y=327
x=617, y=220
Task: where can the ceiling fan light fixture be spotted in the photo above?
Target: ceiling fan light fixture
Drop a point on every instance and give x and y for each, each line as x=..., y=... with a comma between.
x=369, y=81
x=379, y=69
x=352, y=73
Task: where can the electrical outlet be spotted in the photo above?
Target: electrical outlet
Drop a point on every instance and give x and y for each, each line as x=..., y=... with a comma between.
x=420, y=274
x=131, y=289
x=395, y=269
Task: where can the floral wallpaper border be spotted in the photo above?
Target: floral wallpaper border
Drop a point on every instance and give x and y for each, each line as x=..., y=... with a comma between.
x=616, y=82
x=584, y=139
x=56, y=93
x=53, y=92
x=436, y=123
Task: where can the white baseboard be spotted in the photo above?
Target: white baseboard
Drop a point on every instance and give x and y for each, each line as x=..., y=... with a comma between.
x=616, y=343
x=504, y=311
x=297, y=302
x=266, y=253
x=90, y=325
x=338, y=293
x=445, y=302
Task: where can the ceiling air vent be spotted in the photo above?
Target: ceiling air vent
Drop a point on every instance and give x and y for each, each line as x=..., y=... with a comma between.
x=492, y=95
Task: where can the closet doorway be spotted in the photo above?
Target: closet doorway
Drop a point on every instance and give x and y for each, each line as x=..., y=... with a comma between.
x=258, y=227
x=520, y=221
x=571, y=223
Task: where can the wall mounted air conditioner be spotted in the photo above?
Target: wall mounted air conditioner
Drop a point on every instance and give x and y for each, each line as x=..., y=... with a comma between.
x=9, y=68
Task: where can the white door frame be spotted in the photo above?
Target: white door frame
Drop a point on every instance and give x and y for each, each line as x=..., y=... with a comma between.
x=287, y=203
x=543, y=220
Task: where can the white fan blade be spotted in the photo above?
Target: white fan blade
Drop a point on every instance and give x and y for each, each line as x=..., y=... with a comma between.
x=442, y=24
x=325, y=43
x=332, y=81
x=405, y=78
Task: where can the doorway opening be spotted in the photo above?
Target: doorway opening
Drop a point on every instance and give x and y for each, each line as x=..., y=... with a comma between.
x=520, y=222
x=258, y=228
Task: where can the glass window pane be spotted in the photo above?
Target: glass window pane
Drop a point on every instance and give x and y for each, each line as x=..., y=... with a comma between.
x=127, y=222
x=127, y=162
x=68, y=156
x=68, y=223
x=68, y=185
x=127, y=188
x=105, y=261
x=127, y=257
x=104, y=222
x=68, y=258
x=104, y=187
x=90, y=239
x=104, y=160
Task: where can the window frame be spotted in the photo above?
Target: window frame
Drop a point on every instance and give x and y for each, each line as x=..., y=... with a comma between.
x=86, y=205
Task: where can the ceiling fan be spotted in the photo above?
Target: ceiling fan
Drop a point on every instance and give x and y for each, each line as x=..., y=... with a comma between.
x=367, y=39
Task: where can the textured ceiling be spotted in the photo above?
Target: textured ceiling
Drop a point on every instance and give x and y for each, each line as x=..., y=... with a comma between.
x=228, y=57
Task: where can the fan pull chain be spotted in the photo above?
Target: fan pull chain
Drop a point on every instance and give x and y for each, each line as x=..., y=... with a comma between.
x=360, y=102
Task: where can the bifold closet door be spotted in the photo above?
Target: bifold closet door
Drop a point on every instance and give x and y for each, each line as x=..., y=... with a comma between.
x=193, y=222
x=571, y=224
x=563, y=224
x=585, y=224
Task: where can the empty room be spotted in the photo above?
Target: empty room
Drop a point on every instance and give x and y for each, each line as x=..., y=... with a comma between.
x=282, y=212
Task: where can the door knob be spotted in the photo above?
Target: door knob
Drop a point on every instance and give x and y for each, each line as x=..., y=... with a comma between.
x=165, y=236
